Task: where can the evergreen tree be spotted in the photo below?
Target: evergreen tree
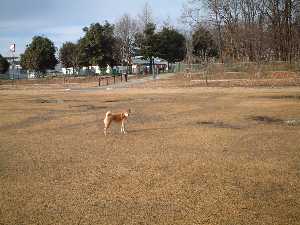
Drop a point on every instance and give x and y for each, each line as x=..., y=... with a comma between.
x=97, y=45
x=204, y=45
x=4, y=65
x=39, y=55
x=69, y=56
x=148, y=42
x=171, y=45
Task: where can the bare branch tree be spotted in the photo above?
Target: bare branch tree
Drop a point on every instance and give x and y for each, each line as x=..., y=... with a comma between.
x=145, y=17
x=126, y=29
x=250, y=29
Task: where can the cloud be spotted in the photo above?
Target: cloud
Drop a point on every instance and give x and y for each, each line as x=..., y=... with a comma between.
x=62, y=34
x=16, y=26
x=23, y=36
x=63, y=30
x=62, y=21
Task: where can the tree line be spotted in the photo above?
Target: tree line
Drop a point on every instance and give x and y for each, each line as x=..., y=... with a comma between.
x=253, y=30
x=239, y=30
x=101, y=46
x=109, y=44
x=117, y=44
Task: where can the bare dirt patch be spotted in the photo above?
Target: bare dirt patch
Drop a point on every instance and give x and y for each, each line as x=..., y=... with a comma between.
x=55, y=101
x=218, y=124
x=266, y=119
x=88, y=107
x=283, y=97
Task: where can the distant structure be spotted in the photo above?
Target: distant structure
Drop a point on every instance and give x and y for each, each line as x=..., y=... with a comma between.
x=15, y=70
x=142, y=66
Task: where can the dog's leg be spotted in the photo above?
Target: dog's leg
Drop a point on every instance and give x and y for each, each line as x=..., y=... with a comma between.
x=122, y=127
x=124, y=130
x=106, y=126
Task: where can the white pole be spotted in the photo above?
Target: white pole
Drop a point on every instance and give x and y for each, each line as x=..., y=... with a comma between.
x=153, y=68
x=13, y=49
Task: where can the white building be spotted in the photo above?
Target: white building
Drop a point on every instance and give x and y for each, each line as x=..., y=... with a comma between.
x=82, y=71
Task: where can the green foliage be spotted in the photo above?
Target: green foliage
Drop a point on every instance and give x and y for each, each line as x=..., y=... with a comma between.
x=4, y=65
x=204, y=44
x=84, y=54
x=39, y=55
x=170, y=45
x=117, y=57
x=68, y=55
x=96, y=47
x=148, y=42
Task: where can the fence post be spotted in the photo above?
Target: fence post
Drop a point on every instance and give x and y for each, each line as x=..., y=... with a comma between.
x=99, y=81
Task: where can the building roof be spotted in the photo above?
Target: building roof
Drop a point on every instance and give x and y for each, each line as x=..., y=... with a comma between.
x=140, y=61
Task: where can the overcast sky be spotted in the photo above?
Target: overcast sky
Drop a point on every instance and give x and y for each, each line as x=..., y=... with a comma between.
x=63, y=20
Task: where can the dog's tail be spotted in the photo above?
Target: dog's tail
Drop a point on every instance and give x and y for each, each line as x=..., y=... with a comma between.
x=108, y=114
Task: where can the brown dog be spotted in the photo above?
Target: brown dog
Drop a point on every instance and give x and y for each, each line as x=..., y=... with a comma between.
x=118, y=117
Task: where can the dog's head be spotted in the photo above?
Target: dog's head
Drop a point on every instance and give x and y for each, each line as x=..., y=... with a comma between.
x=126, y=113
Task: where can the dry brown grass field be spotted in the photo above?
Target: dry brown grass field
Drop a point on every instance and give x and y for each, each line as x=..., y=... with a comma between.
x=192, y=155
